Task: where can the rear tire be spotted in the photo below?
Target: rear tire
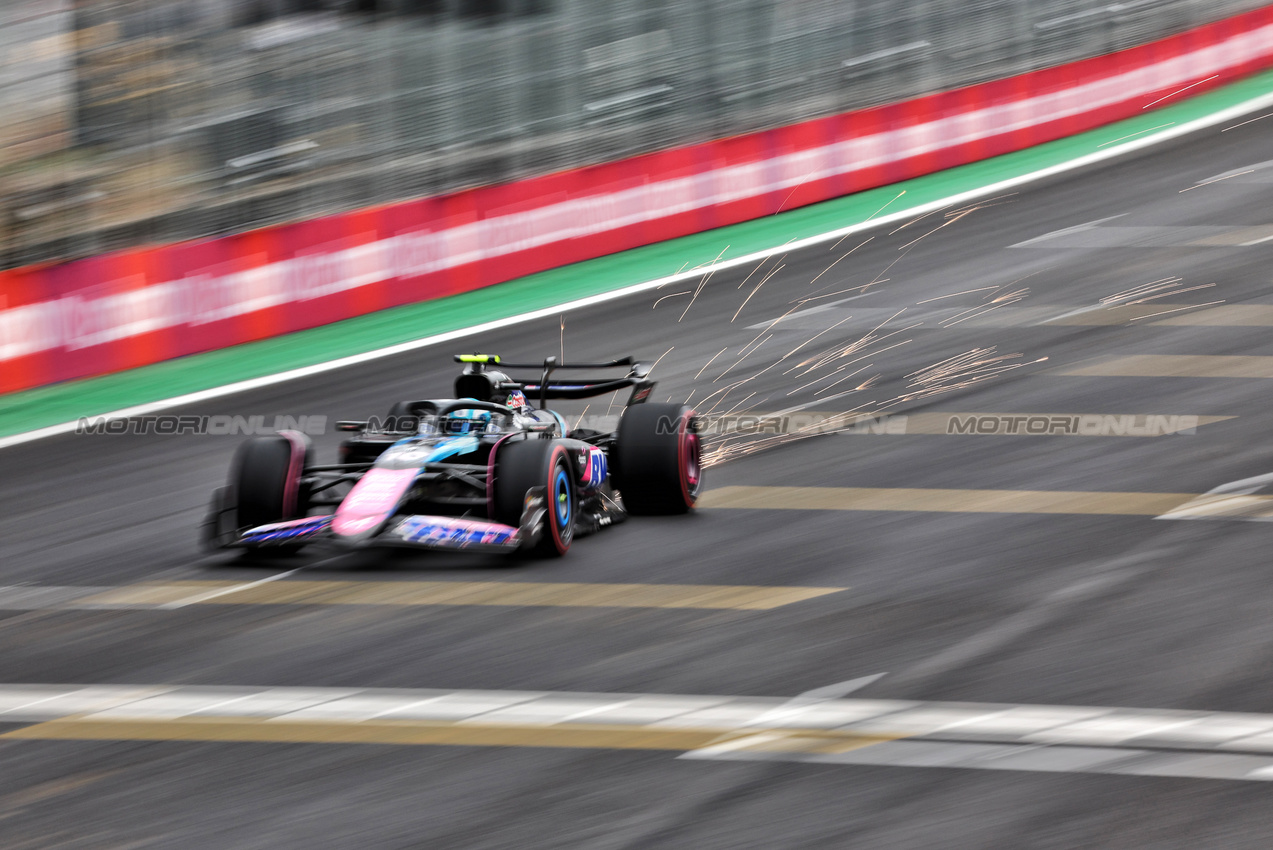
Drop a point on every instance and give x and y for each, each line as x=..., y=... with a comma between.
x=657, y=459
x=524, y=464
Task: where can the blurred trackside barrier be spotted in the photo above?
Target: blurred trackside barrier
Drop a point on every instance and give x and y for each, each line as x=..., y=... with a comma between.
x=128, y=309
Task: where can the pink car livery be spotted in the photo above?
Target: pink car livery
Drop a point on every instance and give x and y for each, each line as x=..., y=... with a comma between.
x=484, y=471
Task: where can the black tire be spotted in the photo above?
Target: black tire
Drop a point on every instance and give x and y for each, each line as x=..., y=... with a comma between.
x=265, y=486
x=656, y=461
x=524, y=464
x=217, y=531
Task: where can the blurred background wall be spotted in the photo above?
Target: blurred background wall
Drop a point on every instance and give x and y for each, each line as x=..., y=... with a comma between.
x=136, y=121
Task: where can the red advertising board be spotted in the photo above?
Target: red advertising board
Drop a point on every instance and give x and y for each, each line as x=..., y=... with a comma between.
x=121, y=310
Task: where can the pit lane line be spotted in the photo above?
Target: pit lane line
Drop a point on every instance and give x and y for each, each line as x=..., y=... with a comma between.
x=904, y=733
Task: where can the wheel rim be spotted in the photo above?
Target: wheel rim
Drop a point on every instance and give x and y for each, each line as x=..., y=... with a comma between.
x=562, y=503
x=693, y=470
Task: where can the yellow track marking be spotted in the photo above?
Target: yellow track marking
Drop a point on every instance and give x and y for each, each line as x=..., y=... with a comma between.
x=1175, y=366
x=944, y=501
x=504, y=593
x=404, y=732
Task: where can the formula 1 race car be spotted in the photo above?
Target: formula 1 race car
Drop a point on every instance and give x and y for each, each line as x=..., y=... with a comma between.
x=483, y=471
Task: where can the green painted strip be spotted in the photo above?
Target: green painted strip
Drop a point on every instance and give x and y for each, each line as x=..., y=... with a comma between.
x=45, y=406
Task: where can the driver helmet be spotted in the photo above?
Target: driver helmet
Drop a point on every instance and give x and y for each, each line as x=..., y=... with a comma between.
x=465, y=421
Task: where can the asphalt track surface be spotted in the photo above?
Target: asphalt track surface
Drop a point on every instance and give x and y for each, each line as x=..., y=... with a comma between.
x=1015, y=606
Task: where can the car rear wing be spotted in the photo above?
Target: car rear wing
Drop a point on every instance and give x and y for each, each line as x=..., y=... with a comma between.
x=548, y=387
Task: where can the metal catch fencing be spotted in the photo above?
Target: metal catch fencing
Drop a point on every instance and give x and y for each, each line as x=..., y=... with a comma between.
x=136, y=121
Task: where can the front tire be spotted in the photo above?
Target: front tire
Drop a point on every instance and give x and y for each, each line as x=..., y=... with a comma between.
x=658, y=459
x=265, y=481
x=526, y=464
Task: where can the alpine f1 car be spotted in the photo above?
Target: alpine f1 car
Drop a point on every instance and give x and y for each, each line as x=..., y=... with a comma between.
x=486, y=470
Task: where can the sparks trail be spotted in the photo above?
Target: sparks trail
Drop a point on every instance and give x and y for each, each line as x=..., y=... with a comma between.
x=999, y=299
x=952, y=217
x=740, y=404
x=1179, y=91
x=828, y=268
x=800, y=301
x=725, y=451
x=763, y=281
x=946, y=223
x=709, y=363
x=865, y=385
x=748, y=347
x=769, y=326
x=879, y=278
x=839, y=421
x=833, y=374
x=1152, y=291
x=837, y=352
x=872, y=215
x=713, y=262
x=841, y=257
x=1136, y=291
x=756, y=269
x=845, y=373
x=809, y=340
x=703, y=283
x=867, y=337
x=829, y=356
x=723, y=392
x=743, y=356
x=656, y=362
x=868, y=218
x=1138, y=133
x=916, y=220
x=960, y=372
x=867, y=354
x=956, y=294
x=794, y=188
x=982, y=203
x=673, y=295
x=1179, y=310
x=954, y=214
x=1215, y=180
x=730, y=388
x=1244, y=123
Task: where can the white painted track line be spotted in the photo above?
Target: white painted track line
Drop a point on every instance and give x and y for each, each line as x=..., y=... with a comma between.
x=1036, y=738
x=1086, y=726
